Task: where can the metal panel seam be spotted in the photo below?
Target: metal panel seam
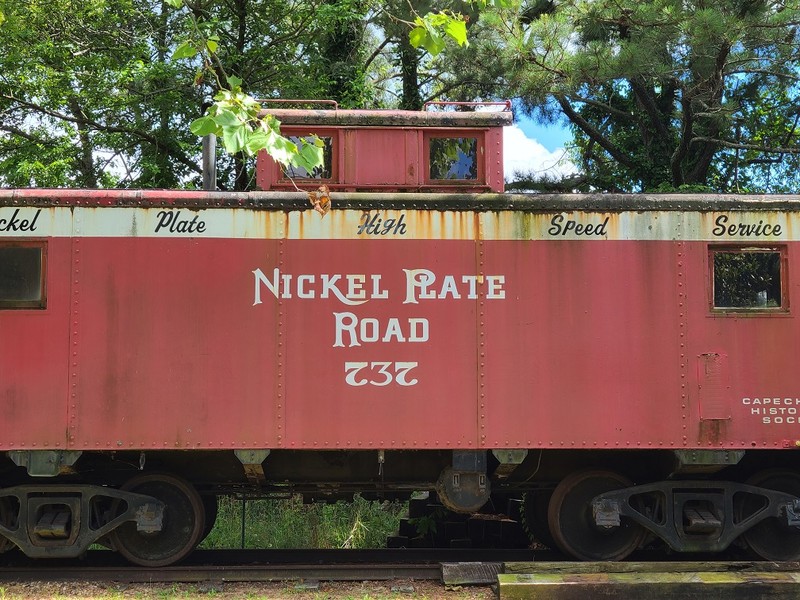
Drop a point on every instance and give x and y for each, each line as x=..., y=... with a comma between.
x=682, y=336
x=480, y=404
x=281, y=380
x=73, y=349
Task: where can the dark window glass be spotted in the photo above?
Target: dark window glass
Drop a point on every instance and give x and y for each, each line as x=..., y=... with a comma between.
x=325, y=171
x=21, y=281
x=453, y=158
x=747, y=279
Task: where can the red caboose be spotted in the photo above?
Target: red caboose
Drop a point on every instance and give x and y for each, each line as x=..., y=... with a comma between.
x=627, y=361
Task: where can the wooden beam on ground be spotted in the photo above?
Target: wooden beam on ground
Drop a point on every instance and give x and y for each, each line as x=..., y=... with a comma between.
x=708, y=585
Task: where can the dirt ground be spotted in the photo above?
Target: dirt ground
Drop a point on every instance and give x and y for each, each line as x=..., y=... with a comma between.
x=365, y=590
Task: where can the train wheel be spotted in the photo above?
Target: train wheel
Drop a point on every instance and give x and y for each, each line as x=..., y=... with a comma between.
x=210, y=508
x=534, y=517
x=772, y=539
x=184, y=522
x=572, y=524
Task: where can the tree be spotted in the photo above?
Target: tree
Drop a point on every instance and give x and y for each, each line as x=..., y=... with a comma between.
x=87, y=83
x=660, y=94
x=101, y=93
x=235, y=114
x=343, y=65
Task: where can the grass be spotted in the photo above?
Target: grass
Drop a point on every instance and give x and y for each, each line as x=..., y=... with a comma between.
x=289, y=523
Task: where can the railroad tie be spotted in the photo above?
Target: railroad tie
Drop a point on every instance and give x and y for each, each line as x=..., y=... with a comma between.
x=650, y=581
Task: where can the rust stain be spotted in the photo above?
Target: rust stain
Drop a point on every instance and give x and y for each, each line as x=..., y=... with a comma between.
x=712, y=432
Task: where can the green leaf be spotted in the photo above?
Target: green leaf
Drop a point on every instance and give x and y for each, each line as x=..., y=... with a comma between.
x=282, y=149
x=234, y=138
x=309, y=157
x=426, y=32
x=175, y=3
x=212, y=46
x=203, y=126
x=234, y=82
x=227, y=118
x=258, y=140
x=417, y=36
x=185, y=50
x=457, y=29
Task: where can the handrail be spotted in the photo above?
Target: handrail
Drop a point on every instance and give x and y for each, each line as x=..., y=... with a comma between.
x=332, y=103
x=505, y=103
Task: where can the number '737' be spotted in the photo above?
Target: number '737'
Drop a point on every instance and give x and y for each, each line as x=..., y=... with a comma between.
x=379, y=373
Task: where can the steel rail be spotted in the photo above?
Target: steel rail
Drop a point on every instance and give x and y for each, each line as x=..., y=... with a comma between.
x=238, y=573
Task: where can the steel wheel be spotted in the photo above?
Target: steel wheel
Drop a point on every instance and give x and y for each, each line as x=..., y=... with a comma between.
x=184, y=522
x=772, y=539
x=211, y=508
x=572, y=524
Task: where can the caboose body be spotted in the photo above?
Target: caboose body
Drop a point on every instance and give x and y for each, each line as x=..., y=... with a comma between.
x=627, y=361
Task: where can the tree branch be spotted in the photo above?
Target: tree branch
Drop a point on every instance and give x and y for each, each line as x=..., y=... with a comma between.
x=593, y=133
x=745, y=146
x=149, y=138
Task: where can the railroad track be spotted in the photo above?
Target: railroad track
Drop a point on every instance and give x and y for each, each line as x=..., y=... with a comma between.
x=262, y=565
x=513, y=573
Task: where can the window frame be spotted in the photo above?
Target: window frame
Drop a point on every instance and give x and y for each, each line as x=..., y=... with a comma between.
x=480, y=156
x=781, y=310
x=40, y=303
x=290, y=131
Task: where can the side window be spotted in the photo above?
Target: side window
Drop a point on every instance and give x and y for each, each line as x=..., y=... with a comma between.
x=325, y=171
x=452, y=158
x=22, y=275
x=748, y=279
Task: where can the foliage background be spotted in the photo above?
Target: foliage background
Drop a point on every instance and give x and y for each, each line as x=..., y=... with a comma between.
x=660, y=95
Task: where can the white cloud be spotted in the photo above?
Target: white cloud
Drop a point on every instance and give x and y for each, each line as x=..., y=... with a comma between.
x=525, y=155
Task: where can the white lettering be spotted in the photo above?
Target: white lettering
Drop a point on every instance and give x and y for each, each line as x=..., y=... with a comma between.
x=472, y=282
x=420, y=286
x=418, y=330
x=287, y=286
x=382, y=373
x=301, y=287
x=377, y=292
x=343, y=327
x=350, y=331
x=393, y=331
x=418, y=279
x=272, y=286
x=449, y=287
x=369, y=330
x=355, y=287
x=495, y=285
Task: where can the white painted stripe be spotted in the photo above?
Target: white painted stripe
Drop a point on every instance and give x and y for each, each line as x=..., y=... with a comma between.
x=752, y=226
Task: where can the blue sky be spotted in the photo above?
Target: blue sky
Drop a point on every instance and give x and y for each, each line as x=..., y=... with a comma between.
x=529, y=148
x=549, y=136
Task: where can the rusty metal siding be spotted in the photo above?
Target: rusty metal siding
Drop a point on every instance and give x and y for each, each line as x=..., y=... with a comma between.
x=583, y=355
x=493, y=143
x=753, y=375
x=381, y=157
x=434, y=404
x=713, y=382
x=167, y=359
x=521, y=334
x=35, y=362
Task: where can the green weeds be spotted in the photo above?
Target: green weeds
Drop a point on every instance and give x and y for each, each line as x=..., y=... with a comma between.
x=292, y=524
